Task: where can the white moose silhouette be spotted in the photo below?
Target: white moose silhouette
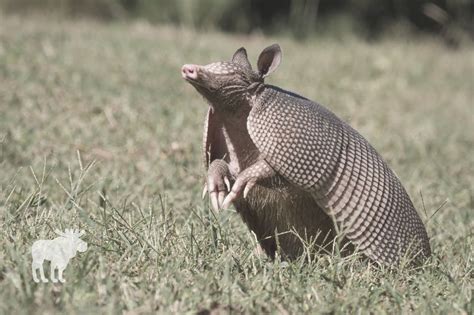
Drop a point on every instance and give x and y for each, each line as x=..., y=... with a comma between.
x=59, y=251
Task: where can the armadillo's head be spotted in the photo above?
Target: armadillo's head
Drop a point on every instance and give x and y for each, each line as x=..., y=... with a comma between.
x=228, y=84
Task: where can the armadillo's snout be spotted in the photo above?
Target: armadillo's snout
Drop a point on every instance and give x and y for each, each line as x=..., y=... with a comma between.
x=189, y=72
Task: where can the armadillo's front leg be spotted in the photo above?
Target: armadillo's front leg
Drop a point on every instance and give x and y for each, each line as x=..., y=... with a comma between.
x=247, y=179
x=217, y=182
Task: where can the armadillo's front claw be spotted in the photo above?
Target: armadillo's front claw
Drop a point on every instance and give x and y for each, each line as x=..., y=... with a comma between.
x=213, y=195
x=242, y=183
x=217, y=182
x=217, y=198
x=227, y=182
x=247, y=179
x=221, y=197
x=204, y=191
x=249, y=186
x=227, y=201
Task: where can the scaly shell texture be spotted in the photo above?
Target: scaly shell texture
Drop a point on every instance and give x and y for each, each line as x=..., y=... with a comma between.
x=313, y=149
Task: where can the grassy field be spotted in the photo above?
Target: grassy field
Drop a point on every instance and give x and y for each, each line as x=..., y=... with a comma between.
x=98, y=131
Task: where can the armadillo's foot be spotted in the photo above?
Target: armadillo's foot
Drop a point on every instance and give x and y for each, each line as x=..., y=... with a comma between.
x=247, y=179
x=217, y=183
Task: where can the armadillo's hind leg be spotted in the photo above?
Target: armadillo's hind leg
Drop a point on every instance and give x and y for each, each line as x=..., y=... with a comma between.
x=217, y=182
x=247, y=179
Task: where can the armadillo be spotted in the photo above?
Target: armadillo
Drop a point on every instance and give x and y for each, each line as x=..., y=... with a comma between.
x=295, y=172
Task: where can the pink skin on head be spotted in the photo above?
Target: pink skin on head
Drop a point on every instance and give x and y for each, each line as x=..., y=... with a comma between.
x=189, y=72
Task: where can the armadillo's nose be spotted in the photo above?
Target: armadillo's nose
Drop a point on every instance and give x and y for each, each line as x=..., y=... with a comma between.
x=189, y=72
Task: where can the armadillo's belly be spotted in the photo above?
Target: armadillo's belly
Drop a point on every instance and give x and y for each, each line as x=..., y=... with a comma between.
x=284, y=219
x=371, y=206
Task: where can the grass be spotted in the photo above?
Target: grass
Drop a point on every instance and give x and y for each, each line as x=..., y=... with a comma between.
x=99, y=132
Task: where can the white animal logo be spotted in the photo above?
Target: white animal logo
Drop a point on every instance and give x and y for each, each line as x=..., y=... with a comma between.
x=59, y=251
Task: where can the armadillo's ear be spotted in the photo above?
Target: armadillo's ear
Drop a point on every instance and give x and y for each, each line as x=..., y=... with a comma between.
x=269, y=60
x=240, y=57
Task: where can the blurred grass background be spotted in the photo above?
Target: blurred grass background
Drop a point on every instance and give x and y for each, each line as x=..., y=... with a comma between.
x=450, y=19
x=98, y=131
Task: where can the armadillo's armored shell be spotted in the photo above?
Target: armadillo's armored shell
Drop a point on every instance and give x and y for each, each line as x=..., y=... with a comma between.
x=315, y=150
